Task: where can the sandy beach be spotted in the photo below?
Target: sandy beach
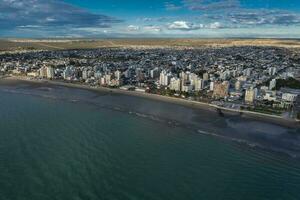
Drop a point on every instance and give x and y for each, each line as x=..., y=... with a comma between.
x=194, y=104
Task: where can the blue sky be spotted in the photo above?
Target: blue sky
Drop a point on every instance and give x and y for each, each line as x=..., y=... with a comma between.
x=145, y=18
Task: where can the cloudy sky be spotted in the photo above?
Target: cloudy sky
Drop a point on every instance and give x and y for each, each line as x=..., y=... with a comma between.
x=150, y=18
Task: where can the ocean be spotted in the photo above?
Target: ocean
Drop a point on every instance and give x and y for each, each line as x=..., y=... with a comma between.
x=64, y=143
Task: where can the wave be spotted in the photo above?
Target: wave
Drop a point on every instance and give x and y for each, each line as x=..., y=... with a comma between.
x=252, y=144
x=153, y=118
x=46, y=96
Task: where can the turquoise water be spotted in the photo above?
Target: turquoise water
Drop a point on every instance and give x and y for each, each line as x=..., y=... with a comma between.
x=54, y=148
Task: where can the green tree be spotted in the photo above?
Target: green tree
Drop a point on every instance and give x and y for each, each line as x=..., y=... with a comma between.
x=289, y=83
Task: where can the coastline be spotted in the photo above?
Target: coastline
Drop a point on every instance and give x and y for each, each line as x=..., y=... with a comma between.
x=184, y=102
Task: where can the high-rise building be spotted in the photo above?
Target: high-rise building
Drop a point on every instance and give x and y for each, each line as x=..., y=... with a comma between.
x=50, y=72
x=192, y=77
x=108, y=78
x=185, y=76
x=251, y=95
x=272, y=71
x=43, y=72
x=85, y=74
x=154, y=73
x=238, y=85
x=221, y=89
x=103, y=81
x=175, y=84
x=272, y=84
x=205, y=76
x=211, y=86
x=199, y=84
x=140, y=75
x=67, y=74
x=118, y=75
x=164, y=78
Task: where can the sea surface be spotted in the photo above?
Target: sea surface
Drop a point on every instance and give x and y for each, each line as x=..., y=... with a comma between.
x=62, y=143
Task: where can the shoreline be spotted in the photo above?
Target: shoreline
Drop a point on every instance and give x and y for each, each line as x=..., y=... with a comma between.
x=184, y=102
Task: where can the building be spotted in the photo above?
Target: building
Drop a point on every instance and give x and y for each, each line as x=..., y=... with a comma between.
x=164, y=78
x=211, y=86
x=251, y=95
x=85, y=74
x=50, y=73
x=187, y=88
x=16, y=71
x=270, y=96
x=107, y=79
x=247, y=72
x=43, y=72
x=103, y=81
x=184, y=76
x=221, y=89
x=290, y=95
x=225, y=75
x=205, y=76
x=272, y=84
x=97, y=75
x=33, y=74
x=128, y=73
x=68, y=72
x=238, y=85
x=118, y=74
x=140, y=75
x=272, y=71
x=115, y=82
x=175, y=84
x=154, y=73
x=199, y=84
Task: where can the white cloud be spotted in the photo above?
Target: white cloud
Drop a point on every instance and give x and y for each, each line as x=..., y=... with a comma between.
x=30, y=26
x=90, y=30
x=184, y=25
x=133, y=28
x=50, y=19
x=152, y=29
x=215, y=25
x=179, y=25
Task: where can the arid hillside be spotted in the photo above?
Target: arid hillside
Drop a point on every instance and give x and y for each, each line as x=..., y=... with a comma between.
x=24, y=44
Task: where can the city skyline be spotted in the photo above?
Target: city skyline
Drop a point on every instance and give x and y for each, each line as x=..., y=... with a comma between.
x=157, y=19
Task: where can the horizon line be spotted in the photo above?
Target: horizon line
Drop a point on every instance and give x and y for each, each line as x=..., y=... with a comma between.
x=145, y=38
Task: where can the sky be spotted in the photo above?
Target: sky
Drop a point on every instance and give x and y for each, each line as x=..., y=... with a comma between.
x=149, y=18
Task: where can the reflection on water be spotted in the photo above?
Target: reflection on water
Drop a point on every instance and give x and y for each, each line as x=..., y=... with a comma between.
x=62, y=143
x=233, y=127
